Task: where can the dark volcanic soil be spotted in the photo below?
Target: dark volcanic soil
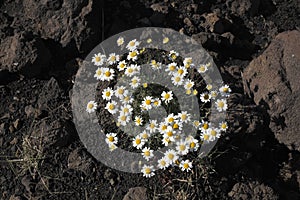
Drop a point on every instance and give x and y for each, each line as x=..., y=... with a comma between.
x=42, y=45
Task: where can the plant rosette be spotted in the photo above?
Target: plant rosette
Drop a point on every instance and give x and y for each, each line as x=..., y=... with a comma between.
x=154, y=99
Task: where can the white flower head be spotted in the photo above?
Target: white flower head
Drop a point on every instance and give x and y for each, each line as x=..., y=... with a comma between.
x=147, y=153
x=132, y=45
x=112, y=147
x=184, y=117
x=213, y=94
x=225, y=90
x=123, y=118
x=188, y=62
x=221, y=105
x=111, y=138
x=148, y=171
x=138, y=120
x=156, y=102
x=120, y=41
x=111, y=107
x=173, y=55
x=107, y=93
x=214, y=133
x=99, y=73
x=108, y=74
x=99, y=59
x=132, y=70
x=138, y=142
x=185, y=165
x=171, y=68
x=177, y=80
x=202, y=69
x=135, y=82
x=122, y=65
x=171, y=156
x=181, y=71
x=162, y=163
x=204, y=125
x=205, y=137
x=120, y=92
x=126, y=109
x=144, y=135
x=91, y=106
x=223, y=126
x=152, y=126
x=205, y=97
x=133, y=55
x=182, y=147
x=167, y=96
x=192, y=142
x=147, y=103
x=113, y=58
x=188, y=84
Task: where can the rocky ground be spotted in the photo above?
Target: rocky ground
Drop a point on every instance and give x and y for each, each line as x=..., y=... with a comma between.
x=254, y=43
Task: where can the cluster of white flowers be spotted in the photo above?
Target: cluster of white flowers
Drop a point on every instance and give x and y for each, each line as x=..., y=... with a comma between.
x=171, y=128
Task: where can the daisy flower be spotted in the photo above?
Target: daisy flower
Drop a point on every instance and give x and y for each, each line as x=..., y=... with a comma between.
x=127, y=98
x=188, y=62
x=156, y=102
x=225, y=90
x=193, y=143
x=182, y=148
x=205, y=125
x=132, y=45
x=170, y=118
x=123, y=118
x=147, y=153
x=146, y=103
x=99, y=74
x=113, y=58
x=170, y=133
x=111, y=138
x=107, y=93
x=221, y=105
x=112, y=146
x=171, y=156
x=177, y=80
x=120, y=41
x=171, y=68
x=188, y=84
x=223, y=126
x=181, y=71
x=98, y=59
x=205, y=97
x=111, y=107
x=202, y=69
x=167, y=96
x=184, y=116
x=138, y=142
x=108, y=74
x=152, y=126
x=173, y=55
x=196, y=124
x=148, y=171
x=122, y=65
x=155, y=65
x=162, y=163
x=166, y=141
x=144, y=135
x=126, y=109
x=91, y=106
x=132, y=55
x=214, y=133
x=163, y=127
x=186, y=165
x=213, y=94
x=120, y=92
x=177, y=125
x=138, y=120
x=135, y=82
x=165, y=40
x=205, y=137
x=209, y=86
x=131, y=70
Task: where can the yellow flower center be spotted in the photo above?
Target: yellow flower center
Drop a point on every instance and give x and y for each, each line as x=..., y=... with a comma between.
x=132, y=54
x=206, y=137
x=182, y=147
x=183, y=116
x=171, y=119
x=99, y=72
x=132, y=43
x=213, y=132
x=165, y=40
x=169, y=133
x=138, y=141
x=111, y=138
x=192, y=145
x=155, y=103
x=107, y=93
x=113, y=58
x=122, y=65
x=123, y=118
x=111, y=106
x=186, y=166
x=167, y=96
x=134, y=81
x=173, y=56
x=107, y=73
x=225, y=89
x=171, y=156
x=221, y=104
x=164, y=127
x=126, y=110
x=172, y=67
x=180, y=71
x=147, y=153
x=195, y=92
x=152, y=126
x=202, y=68
x=148, y=102
x=223, y=126
x=177, y=79
x=97, y=58
x=175, y=126
x=196, y=123
x=145, y=85
x=90, y=106
x=147, y=171
x=121, y=91
x=130, y=70
x=163, y=163
x=205, y=126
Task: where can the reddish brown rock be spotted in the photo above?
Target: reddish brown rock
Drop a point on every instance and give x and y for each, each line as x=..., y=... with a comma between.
x=272, y=80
